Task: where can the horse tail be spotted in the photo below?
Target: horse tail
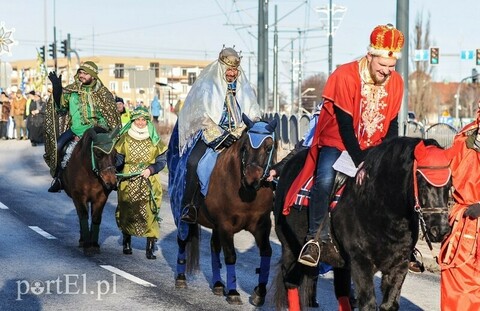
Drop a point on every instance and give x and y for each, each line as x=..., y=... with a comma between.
x=193, y=249
x=280, y=296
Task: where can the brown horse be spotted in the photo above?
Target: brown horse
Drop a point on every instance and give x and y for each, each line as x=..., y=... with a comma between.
x=88, y=179
x=238, y=199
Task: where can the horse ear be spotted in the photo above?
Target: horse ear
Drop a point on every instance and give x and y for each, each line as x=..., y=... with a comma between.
x=115, y=132
x=271, y=126
x=247, y=121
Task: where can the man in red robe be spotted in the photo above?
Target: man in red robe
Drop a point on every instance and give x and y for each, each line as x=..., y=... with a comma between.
x=460, y=253
x=361, y=101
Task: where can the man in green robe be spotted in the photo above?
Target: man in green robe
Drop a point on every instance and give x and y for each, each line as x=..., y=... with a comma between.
x=84, y=104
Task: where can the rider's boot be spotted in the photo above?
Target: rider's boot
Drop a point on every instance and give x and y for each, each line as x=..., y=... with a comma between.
x=56, y=185
x=150, y=248
x=324, y=250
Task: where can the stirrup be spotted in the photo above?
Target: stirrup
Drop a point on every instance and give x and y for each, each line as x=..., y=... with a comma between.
x=306, y=262
x=186, y=216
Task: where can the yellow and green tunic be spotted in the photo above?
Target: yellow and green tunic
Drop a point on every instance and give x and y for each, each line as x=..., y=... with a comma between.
x=139, y=199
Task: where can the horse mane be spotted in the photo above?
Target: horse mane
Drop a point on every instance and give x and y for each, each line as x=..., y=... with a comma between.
x=85, y=142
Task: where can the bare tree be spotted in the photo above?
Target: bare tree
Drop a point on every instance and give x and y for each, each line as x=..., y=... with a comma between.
x=316, y=82
x=420, y=81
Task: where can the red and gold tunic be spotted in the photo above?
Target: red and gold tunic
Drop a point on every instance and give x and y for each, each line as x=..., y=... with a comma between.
x=372, y=108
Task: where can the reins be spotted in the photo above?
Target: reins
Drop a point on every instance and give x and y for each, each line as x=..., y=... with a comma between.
x=135, y=175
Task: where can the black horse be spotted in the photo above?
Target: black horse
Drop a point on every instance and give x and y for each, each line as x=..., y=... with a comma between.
x=238, y=199
x=375, y=225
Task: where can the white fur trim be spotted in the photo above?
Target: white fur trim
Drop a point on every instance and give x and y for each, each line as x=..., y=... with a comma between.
x=383, y=53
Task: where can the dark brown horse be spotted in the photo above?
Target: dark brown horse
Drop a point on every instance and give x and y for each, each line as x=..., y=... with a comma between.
x=88, y=179
x=238, y=199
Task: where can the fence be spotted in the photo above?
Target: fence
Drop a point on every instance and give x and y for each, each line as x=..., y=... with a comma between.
x=291, y=129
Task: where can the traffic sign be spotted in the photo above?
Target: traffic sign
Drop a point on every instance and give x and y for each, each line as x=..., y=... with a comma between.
x=467, y=54
x=421, y=55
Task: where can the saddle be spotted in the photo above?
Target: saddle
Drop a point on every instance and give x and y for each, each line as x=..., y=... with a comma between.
x=303, y=196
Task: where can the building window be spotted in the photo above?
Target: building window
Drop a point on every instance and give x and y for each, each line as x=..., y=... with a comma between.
x=184, y=72
x=155, y=67
x=113, y=85
x=119, y=71
x=125, y=87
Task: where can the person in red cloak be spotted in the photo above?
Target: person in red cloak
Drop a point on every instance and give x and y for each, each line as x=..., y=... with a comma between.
x=361, y=102
x=459, y=257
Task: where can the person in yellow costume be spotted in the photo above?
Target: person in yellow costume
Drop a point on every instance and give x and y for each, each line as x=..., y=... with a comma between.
x=140, y=157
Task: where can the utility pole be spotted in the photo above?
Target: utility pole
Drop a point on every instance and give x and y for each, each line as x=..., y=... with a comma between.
x=262, y=79
x=402, y=63
x=54, y=40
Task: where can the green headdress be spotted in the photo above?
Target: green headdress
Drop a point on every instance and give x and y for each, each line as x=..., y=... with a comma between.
x=142, y=112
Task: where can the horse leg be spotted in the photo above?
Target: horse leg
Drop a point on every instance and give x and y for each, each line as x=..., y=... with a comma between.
x=226, y=238
x=218, y=287
x=82, y=213
x=97, y=210
x=363, y=279
x=392, y=282
x=342, y=285
x=181, y=279
x=262, y=238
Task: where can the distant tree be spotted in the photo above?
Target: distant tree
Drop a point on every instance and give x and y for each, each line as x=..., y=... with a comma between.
x=310, y=100
x=421, y=99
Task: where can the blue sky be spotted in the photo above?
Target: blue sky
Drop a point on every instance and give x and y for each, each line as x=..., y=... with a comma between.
x=199, y=28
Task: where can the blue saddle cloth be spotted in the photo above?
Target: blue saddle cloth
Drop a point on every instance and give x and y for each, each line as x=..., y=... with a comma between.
x=205, y=168
x=177, y=169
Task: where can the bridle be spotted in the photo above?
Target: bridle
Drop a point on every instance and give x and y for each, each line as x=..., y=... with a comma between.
x=418, y=208
x=95, y=169
x=268, y=163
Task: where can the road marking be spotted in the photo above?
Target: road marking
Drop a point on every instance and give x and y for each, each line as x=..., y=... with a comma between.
x=42, y=232
x=3, y=206
x=128, y=276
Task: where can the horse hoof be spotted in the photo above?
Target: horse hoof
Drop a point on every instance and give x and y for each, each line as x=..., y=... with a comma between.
x=258, y=297
x=181, y=281
x=233, y=298
x=218, y=289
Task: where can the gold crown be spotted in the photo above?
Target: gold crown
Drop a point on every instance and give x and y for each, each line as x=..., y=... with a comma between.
x=229, y=57
x=386, y=41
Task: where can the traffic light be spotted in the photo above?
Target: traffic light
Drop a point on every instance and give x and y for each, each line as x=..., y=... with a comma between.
x=434, y=56
x=478, y=57
x=42, y=52
x=52, y=50
x=64, y=47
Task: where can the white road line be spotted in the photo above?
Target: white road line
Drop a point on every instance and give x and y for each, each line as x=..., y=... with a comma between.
x=42, y=232
x=128, y=276
x=3, y=206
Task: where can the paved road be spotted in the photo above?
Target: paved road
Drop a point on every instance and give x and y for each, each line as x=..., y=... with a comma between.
x=43, y=269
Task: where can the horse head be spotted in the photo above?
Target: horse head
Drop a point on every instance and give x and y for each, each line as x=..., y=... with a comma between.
x=434, y=185
x=103, y=157
x=258, y=151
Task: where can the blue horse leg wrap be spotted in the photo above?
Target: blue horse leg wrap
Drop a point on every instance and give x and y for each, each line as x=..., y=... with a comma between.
x=181, y=262
x=216, y=266
x=231, y=278
x=264, y=270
